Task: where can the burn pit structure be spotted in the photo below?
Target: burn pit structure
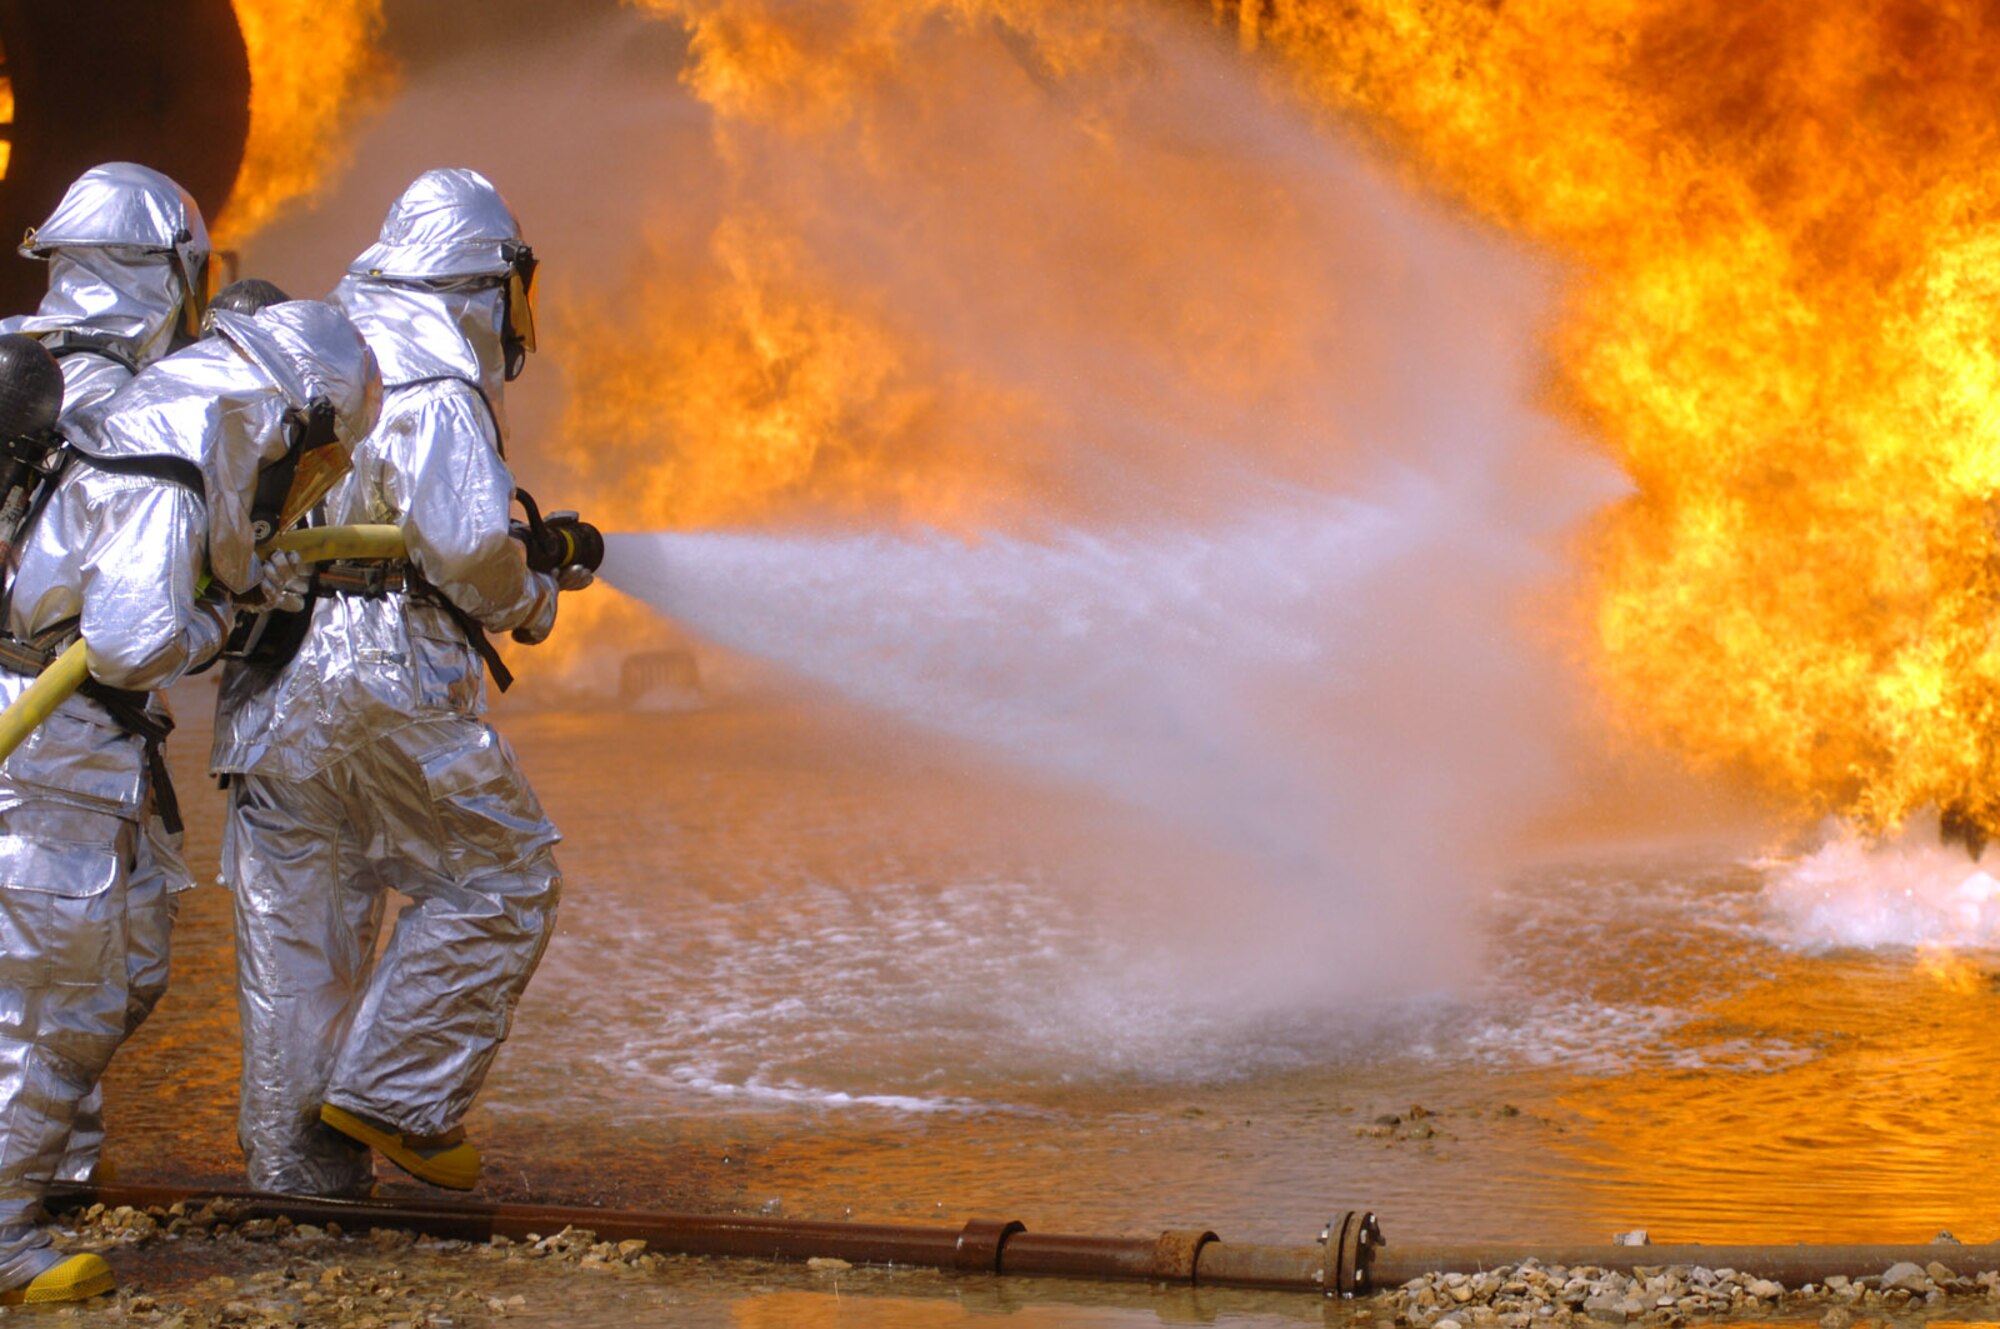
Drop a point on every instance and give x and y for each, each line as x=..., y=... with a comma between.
x=164, y=85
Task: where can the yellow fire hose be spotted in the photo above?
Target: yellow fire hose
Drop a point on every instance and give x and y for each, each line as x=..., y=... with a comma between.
x=324, y=544
x=315, y=544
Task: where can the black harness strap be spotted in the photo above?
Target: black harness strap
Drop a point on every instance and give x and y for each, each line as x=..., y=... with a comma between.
x=166, y=469
x=126, y=707
x=76, y=341
x=475, y=632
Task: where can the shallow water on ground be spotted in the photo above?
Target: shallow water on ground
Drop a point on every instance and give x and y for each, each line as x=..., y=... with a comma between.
x=807, y=970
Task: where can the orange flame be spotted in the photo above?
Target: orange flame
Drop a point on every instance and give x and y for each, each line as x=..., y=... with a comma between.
x=315, y=67
x=1779, y=223
x=755, y=388
x=1782, y=217
x=810, y=362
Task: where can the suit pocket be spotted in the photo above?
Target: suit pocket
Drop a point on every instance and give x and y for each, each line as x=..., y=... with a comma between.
x=56, y=867
x=487, y=816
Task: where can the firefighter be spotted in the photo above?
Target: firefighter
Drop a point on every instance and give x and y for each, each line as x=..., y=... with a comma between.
x=128, y=269
x=363, y=762
x=141, y=543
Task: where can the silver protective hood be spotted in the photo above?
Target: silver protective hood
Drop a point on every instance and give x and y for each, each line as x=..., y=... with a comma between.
x=223, y=403
x=122, y=205
x=129, y=249
x=421, y=332
x=128, y=296
x=312, y=350
x=448, y=223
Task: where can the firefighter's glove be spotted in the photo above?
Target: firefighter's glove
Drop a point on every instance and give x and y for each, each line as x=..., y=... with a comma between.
x=574, y=577
x=276, y=585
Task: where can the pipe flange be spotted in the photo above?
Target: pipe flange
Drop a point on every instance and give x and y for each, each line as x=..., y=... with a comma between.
x=1176, y=1253
x=1350, y=1239
x=980, y=1242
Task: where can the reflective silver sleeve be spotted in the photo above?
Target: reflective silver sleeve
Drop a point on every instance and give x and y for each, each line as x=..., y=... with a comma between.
x=536, y=628
x=456, y=497
x=89, y=379
x=142, y=612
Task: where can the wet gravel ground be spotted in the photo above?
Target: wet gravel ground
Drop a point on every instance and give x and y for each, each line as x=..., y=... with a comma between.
x=1673, y=1295
x=191, y=1267
x=196, y=1267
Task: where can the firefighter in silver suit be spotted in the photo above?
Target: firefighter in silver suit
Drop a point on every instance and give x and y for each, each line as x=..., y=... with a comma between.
x=128, y=269
x=161, y=483
x=364, y=763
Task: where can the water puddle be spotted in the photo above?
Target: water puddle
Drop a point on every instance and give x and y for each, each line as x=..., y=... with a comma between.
x=802, y=975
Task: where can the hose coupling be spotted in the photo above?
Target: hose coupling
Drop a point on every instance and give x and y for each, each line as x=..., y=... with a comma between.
x=1350, y=1239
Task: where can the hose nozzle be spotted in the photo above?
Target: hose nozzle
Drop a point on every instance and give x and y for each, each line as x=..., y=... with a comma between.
x=560, y=540
x=570, y=542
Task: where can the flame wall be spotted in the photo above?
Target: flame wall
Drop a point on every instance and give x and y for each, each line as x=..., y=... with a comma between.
x=982, y=264
x=1782, y=223
x=316, y=66
x=1775, y=220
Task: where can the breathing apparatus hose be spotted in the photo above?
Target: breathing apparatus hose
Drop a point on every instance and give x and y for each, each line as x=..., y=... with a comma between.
x=55, y=685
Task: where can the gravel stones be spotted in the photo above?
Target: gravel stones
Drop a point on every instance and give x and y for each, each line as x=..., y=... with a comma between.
x=279, y=1274
x=1534, y=1294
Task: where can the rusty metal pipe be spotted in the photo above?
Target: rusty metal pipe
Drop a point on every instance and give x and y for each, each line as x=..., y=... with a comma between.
x=980, y=1246
x=1236, y=1264
x=1351, y=1257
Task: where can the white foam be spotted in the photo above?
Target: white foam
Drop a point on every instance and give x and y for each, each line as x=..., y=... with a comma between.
x=1906, y=889
x=1597, y=1038
x=757, y=1089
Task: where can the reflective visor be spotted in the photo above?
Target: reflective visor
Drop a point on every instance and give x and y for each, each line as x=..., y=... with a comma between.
x=521, y=298
x=196, y=292
x=319, y=470
x=316, y=462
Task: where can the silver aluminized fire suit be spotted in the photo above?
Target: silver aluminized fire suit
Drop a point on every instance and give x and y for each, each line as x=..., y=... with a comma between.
x=118, y=554
x=122, y=248
x=365, y=764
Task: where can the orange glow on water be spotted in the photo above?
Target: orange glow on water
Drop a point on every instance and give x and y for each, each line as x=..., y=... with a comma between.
x=1874, y=1108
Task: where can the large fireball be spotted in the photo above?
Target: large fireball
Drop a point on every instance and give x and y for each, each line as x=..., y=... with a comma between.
x=1782, y=223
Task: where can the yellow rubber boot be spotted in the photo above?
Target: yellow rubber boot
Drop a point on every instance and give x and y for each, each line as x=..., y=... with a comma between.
x=448, y=1160
x=78, y=1278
